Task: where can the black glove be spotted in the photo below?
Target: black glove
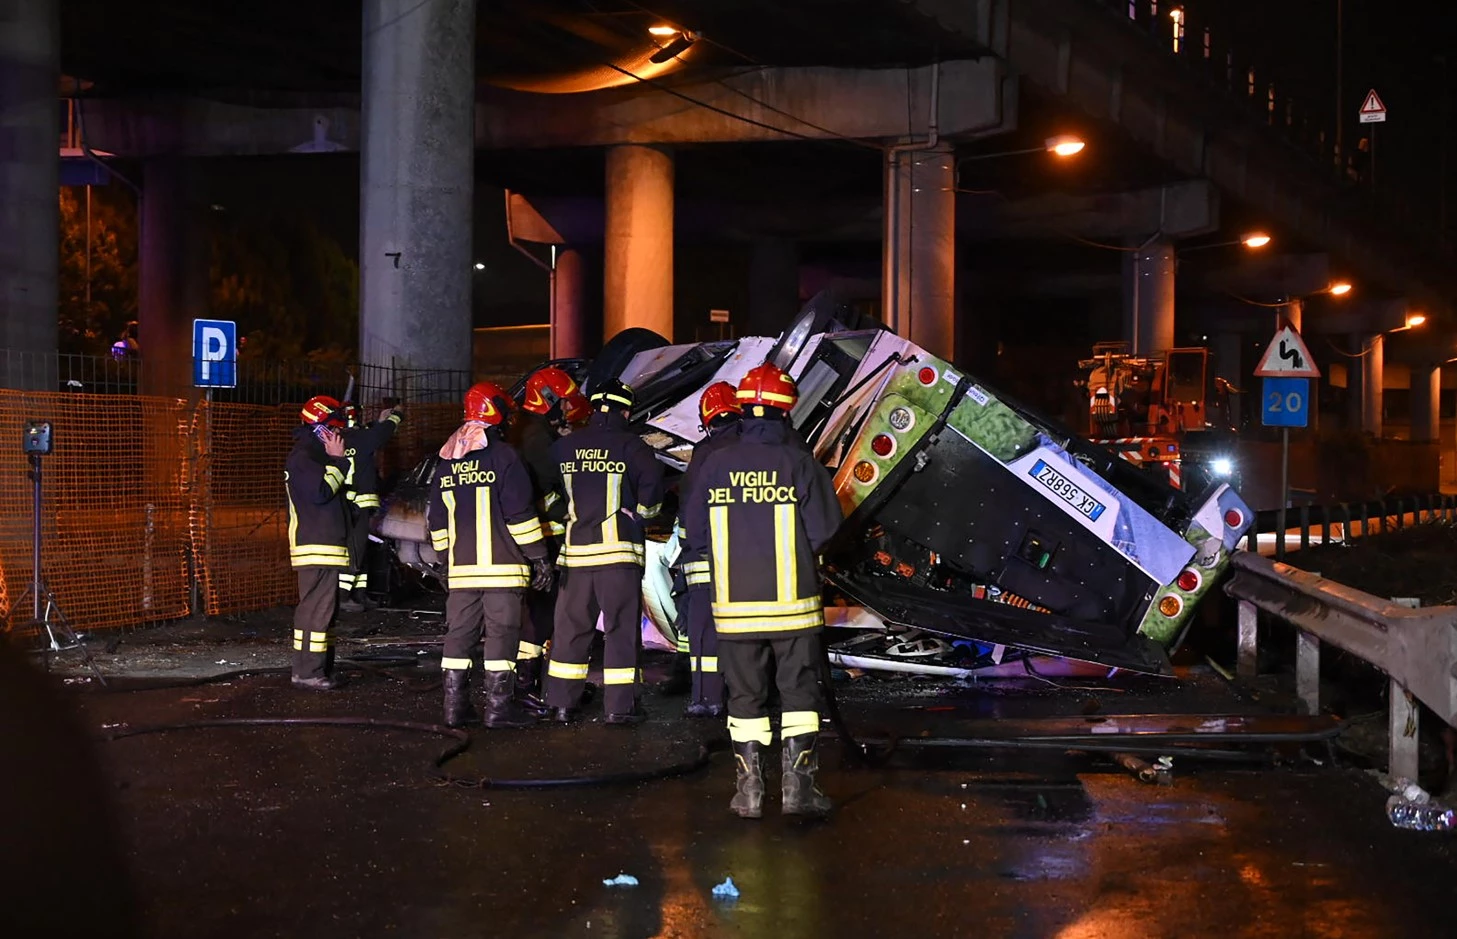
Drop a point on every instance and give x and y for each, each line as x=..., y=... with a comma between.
x=680, y=582
x=543, y=575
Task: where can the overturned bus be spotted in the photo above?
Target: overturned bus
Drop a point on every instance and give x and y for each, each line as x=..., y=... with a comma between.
x=966, y=516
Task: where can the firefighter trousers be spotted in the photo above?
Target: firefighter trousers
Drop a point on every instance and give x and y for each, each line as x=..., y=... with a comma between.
x=615, y=592
x=469, y=614
x=747, y=666
x=356, y=576
x=703, y=645
x=540, y=614
x=318, y=601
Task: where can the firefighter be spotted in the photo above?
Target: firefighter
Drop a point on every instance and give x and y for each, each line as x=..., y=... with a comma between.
x=318, y=545
x=612, y=483
x=550, y=403
x=482, y=518
x=764, y=508
x=720, y=414
x=361, y=444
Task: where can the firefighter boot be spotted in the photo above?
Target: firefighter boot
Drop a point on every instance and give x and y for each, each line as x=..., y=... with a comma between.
x=800, y=764
x=528, y=686
x=502, y=710
x=458, y=708
x=748, y=801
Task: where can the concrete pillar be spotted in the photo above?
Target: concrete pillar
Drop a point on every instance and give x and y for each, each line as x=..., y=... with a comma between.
x=30, y=48
x=773, y=287
x=1426, y=397
x=417, y=183
x=1295, y=313
x=1149, y=298
x=637, y=276
x=919, y=248
x=1354, y=384
x=172, y=287
x=1373, y=375
x=569, y=305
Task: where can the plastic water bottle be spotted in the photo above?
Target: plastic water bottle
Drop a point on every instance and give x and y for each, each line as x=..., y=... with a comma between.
x=1416, y=816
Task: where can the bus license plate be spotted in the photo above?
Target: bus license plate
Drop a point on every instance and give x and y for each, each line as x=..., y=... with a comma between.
x=1067, y=490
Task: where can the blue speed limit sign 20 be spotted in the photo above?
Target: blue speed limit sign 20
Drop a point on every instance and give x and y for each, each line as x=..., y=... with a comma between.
x=1285, y=402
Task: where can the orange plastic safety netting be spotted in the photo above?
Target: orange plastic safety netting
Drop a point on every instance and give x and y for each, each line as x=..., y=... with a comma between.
x=114, y=534
x=143, y=496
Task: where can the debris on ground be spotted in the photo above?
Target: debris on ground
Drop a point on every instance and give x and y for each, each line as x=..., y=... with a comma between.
x=621, y=880
x=726, y=890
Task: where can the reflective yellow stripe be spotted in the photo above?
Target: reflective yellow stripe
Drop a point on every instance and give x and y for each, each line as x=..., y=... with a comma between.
x=701, y=565
x=454, y=665
x=649, y=511
x=619, y=676
x=448, y=499
x=613, y=506
x=797, y=723
x=550, y=499
x=346, y=580
x=529, y=650
x=485, y=550
x=571, y=504
x=682, y=532
x=747, y=608
x=334, y=477
x=683, y=645
x=499, y=665
x=707, y=663
x=616, y=399
x=566, y=670
x=556, y=528
x=349, y=476
x=751, y=730
x=366, y=500
x=527, y=532
x=602, y=560
x=505, y=581
x=785, y=553
x=318, y=555
x=718, y=535
x=769, y=624
x=440, y=539
x=305, y=641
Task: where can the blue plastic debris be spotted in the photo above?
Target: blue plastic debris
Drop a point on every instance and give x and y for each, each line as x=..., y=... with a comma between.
x=726, y=889
x=621, y=880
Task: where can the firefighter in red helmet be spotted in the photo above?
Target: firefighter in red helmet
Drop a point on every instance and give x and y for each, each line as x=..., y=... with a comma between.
x=318, y=545
x=550, y=402
x=483, y=519
x=764, y=508
x=719, y=414
x=362, y=443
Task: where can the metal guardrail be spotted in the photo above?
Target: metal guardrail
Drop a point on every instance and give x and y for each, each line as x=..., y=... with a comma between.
x=1416, y=648
x=1346, y=521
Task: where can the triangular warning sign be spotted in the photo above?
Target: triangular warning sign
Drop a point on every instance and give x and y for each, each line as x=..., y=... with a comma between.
x=1373, y=109
x=1287, y=357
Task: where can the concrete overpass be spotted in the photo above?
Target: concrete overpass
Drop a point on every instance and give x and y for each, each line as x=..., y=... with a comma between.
x=1190, y=143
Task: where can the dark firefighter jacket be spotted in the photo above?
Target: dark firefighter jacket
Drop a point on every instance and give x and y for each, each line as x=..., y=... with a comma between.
x=693, y=557
x=316, y=527
x=765, y=508
x=612, y=482
x=483, y=519
x=532, y=437
x=360, y=446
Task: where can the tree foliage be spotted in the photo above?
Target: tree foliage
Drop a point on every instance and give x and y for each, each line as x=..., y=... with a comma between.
x=89, y=326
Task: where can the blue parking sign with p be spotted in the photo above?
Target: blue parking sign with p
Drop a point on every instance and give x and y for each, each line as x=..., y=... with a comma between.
x=214, y=354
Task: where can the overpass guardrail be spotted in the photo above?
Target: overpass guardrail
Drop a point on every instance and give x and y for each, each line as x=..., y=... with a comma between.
x=1415, y=648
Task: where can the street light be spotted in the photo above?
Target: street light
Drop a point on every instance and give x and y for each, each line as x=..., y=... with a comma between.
x=480, y=265
x=663, y=30
x=1062, y=145
x=1339, y=289
x=1065, y=145
x=1415, y=319
x=1255, y=239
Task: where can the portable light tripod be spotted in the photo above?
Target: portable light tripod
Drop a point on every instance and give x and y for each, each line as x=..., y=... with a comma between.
x=46, y=611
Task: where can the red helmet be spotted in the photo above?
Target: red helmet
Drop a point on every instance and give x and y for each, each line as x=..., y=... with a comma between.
x=351, y=414
x=769, y=386
x=486, y=402
x=546, y=388
x=718, y=399
x=322, y=409
x=575, y=408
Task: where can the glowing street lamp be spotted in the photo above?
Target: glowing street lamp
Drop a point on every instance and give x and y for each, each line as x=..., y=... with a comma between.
x=1065, y=145
x=1339, y=289
x=1255, y=239
x=663, y=30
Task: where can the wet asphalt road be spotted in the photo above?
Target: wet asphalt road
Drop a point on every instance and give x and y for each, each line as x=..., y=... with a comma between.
x=323, y=832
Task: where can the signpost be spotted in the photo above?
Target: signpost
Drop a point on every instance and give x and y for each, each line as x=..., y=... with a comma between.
x=1373, y=111
x=1285, y=403
x=214, y=354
